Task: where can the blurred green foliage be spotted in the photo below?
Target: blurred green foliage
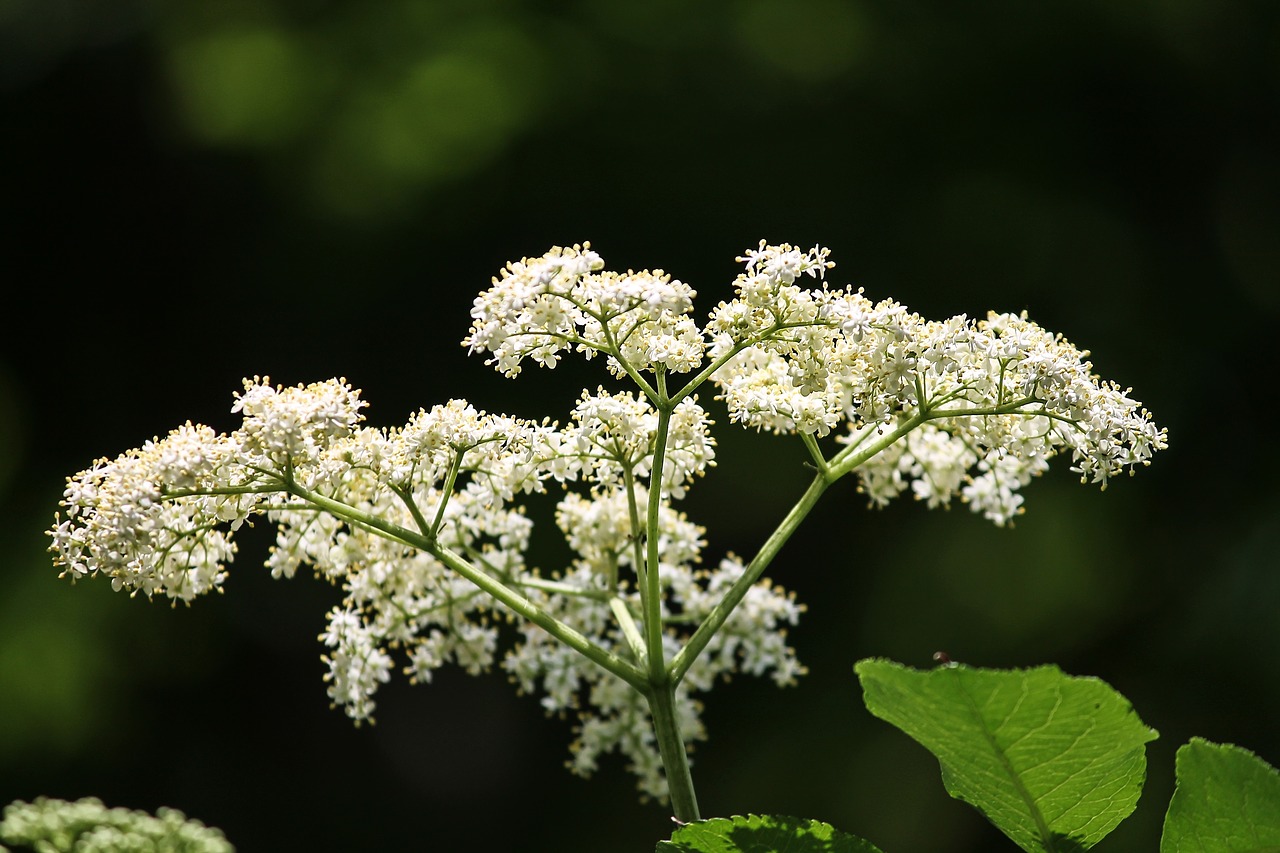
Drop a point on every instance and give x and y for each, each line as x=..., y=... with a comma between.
x=193, y=193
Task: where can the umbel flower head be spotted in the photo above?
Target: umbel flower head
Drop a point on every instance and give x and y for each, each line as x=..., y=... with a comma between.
x=88, y=826
x=422, y=525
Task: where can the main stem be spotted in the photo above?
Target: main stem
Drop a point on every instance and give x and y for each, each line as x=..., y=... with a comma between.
x=675, y=759
x=661, y=693
x=661, y=687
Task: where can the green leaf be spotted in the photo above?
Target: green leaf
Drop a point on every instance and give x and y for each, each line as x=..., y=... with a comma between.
x=1227, y=801
x=1055, y=762
x=763, y=834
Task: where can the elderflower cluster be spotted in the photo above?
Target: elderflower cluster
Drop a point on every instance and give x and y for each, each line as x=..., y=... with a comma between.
x=422, y=526
x=1005, y=397
x=151, y=519
x=88, y=826
x=564, y=300
x=158, y=519
x=999, y=396
x=613, y=719
x=120, y=524
x=613, y=437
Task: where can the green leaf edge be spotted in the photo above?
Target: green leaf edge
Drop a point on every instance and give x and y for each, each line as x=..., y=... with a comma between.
x=829, y=834
x=866, y=663
x=1173, y=816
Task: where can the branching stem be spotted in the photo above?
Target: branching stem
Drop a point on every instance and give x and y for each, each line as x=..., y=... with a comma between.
x=522, y=606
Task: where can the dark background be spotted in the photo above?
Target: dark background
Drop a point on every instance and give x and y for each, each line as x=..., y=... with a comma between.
x=194, y=193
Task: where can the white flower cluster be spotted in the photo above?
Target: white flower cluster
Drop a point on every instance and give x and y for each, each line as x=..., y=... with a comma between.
x=88, y=826
x=420, y=527
x=120, y=524
x=614, y=717
x=614, y=435
x=159, y=520
x=1000, y=396
x=541, y=307
x=453, y=469
x=293, y=426
x=1004, y=396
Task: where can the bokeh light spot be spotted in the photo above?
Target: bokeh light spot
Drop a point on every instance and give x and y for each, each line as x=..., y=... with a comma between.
x=809, y=40
x=251, y=87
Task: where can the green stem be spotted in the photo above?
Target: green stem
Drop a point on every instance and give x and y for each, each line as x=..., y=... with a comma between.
x=720, y=613
x=606, y=660
x=522, y=606
x=560, y=588
x=851, y=457
x=447, y=492
x=842, y=463
x=675, y=760
x=706, y=372
x=615, y=349
x=815, y=452
x=628, y=627
x=406, y=497
x=661, y=687
x=839, y=465
x=652, y=580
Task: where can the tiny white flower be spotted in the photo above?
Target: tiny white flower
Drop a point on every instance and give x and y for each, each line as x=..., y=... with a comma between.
x=981, y=407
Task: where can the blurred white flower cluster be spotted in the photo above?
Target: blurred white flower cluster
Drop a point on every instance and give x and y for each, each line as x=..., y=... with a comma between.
x=87, y=826
x=422, y=528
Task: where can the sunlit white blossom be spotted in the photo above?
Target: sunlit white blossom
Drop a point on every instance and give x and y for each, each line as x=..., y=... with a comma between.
x=614, y=436
x=753, y=641
x=423, y=528
x=541, y=307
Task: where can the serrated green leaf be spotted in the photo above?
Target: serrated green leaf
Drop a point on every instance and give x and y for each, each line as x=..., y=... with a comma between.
x=1053, y=761
x=763, y=834
x=1227, y=801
